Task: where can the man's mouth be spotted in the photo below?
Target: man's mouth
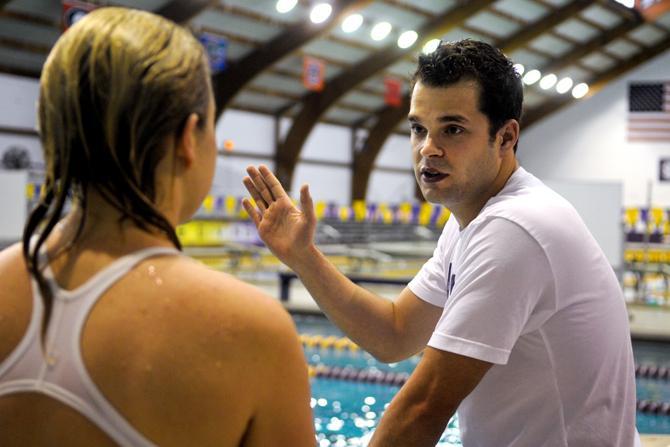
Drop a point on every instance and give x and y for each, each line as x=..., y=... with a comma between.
x=429, y=175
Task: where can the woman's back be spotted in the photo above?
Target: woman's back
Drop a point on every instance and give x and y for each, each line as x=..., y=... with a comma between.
x=186, y=355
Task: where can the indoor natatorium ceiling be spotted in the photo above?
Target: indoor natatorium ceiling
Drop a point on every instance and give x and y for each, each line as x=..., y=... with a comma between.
x=590, y=42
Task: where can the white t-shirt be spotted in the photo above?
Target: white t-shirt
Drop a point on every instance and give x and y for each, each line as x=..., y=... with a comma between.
x=526, y=287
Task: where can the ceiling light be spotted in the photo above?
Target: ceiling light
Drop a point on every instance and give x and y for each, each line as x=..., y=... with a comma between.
x=320, y=13
x=532, y=77
x=548, y=81
x=407, y=39
x=284, y=6
x=431, y=46
x=564, y=85
x=352, y=23
x=519, y=68
x=580, y=90
x=627, y=3
x=380, y=30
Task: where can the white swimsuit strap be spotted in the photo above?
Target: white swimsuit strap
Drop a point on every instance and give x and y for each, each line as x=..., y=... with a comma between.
x=106, y=277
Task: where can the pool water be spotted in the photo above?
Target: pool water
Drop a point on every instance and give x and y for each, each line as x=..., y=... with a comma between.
x=346, y=412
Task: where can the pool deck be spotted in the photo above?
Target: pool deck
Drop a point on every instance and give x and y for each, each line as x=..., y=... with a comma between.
x=655, y=441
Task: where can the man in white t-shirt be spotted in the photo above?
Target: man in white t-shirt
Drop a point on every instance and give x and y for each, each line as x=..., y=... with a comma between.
x=520, y=316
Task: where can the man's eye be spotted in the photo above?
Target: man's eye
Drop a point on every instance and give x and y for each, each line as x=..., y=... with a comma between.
x=453, y=130
x=418, y=130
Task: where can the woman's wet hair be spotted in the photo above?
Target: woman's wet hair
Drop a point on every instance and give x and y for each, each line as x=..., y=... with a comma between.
x=115, y=87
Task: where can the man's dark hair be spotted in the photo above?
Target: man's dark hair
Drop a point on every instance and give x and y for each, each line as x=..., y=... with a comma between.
x=500, y=89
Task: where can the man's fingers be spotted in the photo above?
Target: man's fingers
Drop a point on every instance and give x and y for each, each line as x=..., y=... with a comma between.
x=272, y=182
x=255, y=215
x=307, y=204
x=260, y=185
x=251, y=187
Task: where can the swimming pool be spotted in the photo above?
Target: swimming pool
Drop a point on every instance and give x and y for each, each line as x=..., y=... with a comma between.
x=350, y=389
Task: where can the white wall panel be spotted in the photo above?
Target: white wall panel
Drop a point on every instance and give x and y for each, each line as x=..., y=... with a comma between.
x=391, y=187
x=326, y=183
x=587, y=141
x=328, y=142
x=229, y=174
x=18, y=101
x=250, y=132
x=396, y=153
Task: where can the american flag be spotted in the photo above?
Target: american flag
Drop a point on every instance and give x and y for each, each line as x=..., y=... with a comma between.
x=649, y=112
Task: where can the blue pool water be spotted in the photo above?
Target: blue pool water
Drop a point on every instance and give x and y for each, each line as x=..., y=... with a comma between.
x=346, y=412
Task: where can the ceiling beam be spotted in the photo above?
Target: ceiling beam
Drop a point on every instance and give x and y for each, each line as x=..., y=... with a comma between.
x=388, y=118
x=621, y=10
x=596, y=44
x=364, y=160
x=315, y=104
x=596, y=83
x=18, y=71
x=229, y=82
x=263, y=90
x=549, y=21
x=592, y=45
x=181, y=11
x=22, y=45
x=30, y=18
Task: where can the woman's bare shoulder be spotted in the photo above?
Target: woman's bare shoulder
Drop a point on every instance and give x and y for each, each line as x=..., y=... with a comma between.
x=11, y=259
x=211, y=297
x=15, y=298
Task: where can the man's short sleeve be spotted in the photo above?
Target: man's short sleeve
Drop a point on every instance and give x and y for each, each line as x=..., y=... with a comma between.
x=430, y=283
x=503, y=288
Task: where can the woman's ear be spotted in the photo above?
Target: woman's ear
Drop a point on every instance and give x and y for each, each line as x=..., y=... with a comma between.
x=187, y=141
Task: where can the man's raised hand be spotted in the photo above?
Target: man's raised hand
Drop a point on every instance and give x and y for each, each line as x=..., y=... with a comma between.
x=285, y=229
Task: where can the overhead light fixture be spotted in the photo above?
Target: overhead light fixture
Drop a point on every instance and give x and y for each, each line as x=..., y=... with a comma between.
x=548, y=81
x=519, y=68
x=564, y=85
x=430, y=46
x=407, y=39
x=352, y=23
x=532, y=77
x=627, y=3
x=320, y=13
x=284, y=6
x=380, y=30
x=580, y=90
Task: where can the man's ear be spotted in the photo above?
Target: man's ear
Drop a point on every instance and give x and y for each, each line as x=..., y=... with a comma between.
x=187, y=140
x=509, y=134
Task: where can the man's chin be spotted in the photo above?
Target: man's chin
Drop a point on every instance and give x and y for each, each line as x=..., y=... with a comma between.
x=436, y=196
x=432, y=196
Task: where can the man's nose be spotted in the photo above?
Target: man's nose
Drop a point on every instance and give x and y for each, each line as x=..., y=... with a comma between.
x=431, y=148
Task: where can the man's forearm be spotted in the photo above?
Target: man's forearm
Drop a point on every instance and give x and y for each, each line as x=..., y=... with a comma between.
x=366, y=318
x=410, y=421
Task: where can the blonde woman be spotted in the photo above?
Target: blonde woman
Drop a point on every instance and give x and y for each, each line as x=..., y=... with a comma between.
x=108, y=335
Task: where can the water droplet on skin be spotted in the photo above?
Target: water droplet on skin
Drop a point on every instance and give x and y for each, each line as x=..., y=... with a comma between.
x=159, y=281
x=152, y=270
x=51, y=360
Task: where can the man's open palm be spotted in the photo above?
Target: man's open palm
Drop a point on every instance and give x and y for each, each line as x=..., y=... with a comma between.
x=285, y=229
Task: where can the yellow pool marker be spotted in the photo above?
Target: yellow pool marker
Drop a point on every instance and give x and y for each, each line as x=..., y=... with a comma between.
x=330, y=342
